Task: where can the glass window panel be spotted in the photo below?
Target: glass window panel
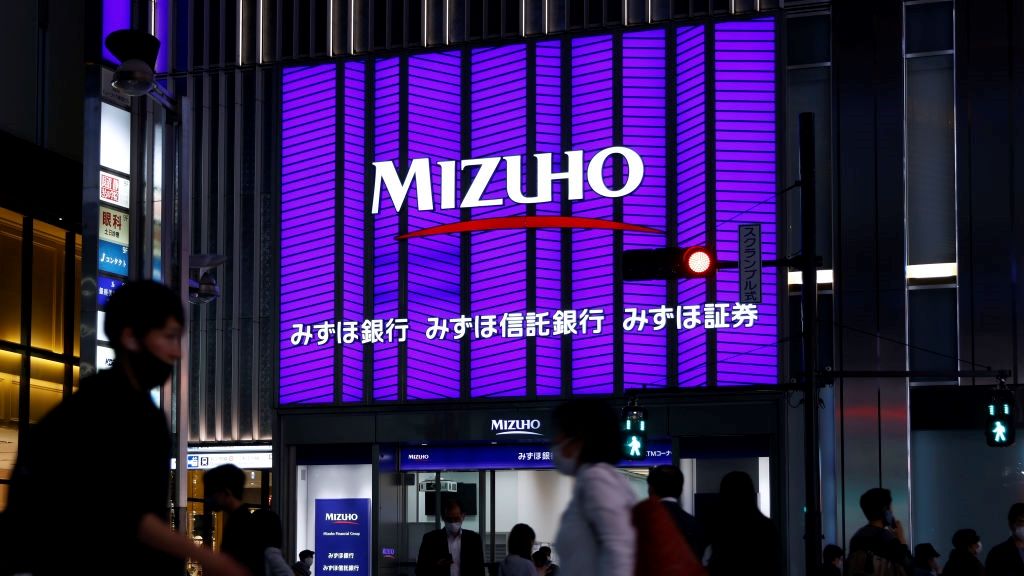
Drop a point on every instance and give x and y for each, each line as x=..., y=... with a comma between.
x=48, y=280
x=115, y=138
x=10, y=380
x=46, y=387
x=931, y=198
x=808, y=39
x=929, y=27
x=11, y=232
x=933, y=332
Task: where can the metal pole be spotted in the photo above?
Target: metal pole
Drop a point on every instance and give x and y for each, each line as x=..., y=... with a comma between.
x=809, y=307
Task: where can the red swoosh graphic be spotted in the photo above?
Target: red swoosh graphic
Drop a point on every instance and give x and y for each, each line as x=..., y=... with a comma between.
x=344, y=522
x=515, y=222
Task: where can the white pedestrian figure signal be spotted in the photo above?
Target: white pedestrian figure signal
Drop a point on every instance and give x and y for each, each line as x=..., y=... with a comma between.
x=1000, y=432
x=634, y=447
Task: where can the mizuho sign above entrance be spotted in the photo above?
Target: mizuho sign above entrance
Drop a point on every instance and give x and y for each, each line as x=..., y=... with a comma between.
x=522, y=427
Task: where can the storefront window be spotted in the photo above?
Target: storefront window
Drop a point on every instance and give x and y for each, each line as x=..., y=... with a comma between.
x=48, y=280
x=10, y=271
x=10, y=380
x=47, y=387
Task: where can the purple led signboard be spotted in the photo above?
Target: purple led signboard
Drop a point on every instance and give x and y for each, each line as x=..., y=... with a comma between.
x=450, y=220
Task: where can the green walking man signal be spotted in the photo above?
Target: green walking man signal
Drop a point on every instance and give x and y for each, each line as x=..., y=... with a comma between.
x=634, y=431
x=1000, y=429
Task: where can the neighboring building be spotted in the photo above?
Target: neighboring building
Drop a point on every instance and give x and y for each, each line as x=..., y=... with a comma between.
x=40, y=217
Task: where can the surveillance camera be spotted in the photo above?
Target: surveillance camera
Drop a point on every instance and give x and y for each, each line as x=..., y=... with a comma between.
x=204, y=290
x=137, y=52
x=133, y=78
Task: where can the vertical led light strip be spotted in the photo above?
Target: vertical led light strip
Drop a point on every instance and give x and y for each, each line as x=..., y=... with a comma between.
x=434, y=132
x=385, y=255
x=591, y=110
x=691, y=194
x=549, y=242
x=498, y=258
x=308, y=133
x=353, y=213
x=745, y=178
x=643, y=130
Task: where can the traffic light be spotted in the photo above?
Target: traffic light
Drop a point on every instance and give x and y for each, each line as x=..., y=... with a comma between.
x=1000, y=430
x=667, y=263
x=634, y=431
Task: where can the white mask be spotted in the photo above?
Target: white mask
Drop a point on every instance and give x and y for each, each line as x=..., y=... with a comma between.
x=563, y=464
x=453, y=528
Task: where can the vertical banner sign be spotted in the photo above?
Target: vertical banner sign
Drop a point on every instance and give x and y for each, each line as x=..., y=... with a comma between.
x=113, y=225
x=114, y=189
x=342, y=536
x=750, y=263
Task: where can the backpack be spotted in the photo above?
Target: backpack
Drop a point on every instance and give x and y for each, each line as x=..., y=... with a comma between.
x=660, y=548
x=866, y=563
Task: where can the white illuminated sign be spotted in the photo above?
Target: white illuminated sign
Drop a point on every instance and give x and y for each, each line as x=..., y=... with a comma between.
x=114, y=226
x=525, y=427
x=207, y=460
x=104, y=357
x=114, y=189
x=710, y=316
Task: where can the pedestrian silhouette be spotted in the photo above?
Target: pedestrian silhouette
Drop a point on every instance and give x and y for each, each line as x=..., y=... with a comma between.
x=743, y=541
x=47, y=533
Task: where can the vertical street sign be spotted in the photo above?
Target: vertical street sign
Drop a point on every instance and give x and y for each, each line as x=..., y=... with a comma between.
x=750, y=263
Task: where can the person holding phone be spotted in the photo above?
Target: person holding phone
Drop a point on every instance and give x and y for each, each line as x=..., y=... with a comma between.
x=452, y=550
x=882, y=538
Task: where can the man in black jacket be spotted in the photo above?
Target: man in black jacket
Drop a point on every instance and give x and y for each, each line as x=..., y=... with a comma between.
x=666, y=482
x=452, y=550
x=1007, y=558
x=882, y=537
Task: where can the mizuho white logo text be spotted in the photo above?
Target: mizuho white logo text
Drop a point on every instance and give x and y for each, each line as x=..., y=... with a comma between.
x=516, y=427
x=419, y=177
x=336, y=517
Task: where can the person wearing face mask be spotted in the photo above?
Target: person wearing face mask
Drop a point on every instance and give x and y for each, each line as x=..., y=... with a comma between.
x=1007, y=558
x=56, y=473
x=596, y=536
x=452, y=550
x=305, y=564
x=965, y=559
x=881, y=544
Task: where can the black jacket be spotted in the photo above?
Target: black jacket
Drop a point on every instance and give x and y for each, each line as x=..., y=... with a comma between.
x=435, y=548
x=884, y=544
x=963, y=563
x=1004, y=560
x=689, y=527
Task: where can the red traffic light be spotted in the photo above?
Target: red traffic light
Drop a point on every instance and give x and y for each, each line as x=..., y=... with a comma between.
x=697, y=262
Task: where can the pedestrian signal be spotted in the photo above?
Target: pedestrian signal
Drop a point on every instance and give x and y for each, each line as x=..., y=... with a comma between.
x=634, y=431
x=1000, y=429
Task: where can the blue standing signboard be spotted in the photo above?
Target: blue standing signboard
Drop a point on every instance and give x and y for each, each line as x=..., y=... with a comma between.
x=113, y=258
x=342, y=536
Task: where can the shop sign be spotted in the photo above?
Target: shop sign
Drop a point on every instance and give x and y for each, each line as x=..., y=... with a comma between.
x=522, y=427
x=105, y=287
x=114, y=226
x=508, y=457
x=249, y=460
x=709, y=316
x=114, y=189
x=113, y=258
x=104, y=357
x=342, y=536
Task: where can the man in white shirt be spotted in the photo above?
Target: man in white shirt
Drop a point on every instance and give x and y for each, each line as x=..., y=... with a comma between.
x=452, y=550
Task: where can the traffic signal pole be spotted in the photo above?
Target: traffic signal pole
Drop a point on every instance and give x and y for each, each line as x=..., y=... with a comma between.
x=809, y=309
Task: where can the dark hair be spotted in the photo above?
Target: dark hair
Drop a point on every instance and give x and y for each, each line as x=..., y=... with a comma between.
x=1016, y=511
x=305, y=554
x=831, y=553
x=224, y=477
x=546, y=550
x=520, y=540
x=737, y=496
x=875, y=502
x=451, y=502
x=141, y=306
x=665, y=481
x=540, y=559
x=965, y=538
x=593, y=422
